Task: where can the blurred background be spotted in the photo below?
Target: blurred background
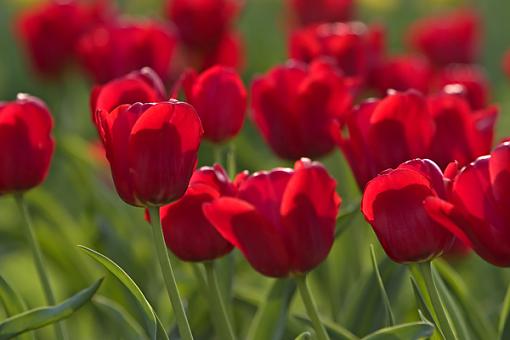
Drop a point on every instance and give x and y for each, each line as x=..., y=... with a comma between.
x=77, y=204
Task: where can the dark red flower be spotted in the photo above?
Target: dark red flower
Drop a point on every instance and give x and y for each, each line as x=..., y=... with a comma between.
x=26, y=143
x=51, y=30
x=283, y=221
x=188, y=233
x=111, y=51
x=317, y=11
x=478, y=210
x=202, y=23
x=142, y=86
x=472, y=78
x=402, y=73
x=219, y=96
x=393, y=204
x=294, y=106
x=353, y=46
x=152, y=149
x=451, y=38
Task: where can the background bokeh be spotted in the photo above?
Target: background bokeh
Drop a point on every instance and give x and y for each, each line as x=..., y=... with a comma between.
x=78, y=205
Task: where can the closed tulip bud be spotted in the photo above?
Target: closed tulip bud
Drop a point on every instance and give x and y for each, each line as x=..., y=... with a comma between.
x=26, y=143
x=111, y=51
x=152, y=149
x=188, y=233
x=294, y=106
x=283, y=220
x=478, y=209
x=219, y=97
x=393, y=204
x=451, y=38
x=473, y=80
x=317, y=11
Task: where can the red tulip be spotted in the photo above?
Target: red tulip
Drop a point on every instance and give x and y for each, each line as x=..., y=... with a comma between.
x=283, y=221
x=202, y=23
x=451, y=38
x=294, y=106
x=142, y=86
x=188, y=233
x=401, y=74
x=219, y=96
x=393, y=204
x=26, y=142
x=472, y=78
x=111, y=51
x=51, y=30
x=228, y=52
x=354, y=47
x=152, y=149
x=478, y=209
x=316, y=11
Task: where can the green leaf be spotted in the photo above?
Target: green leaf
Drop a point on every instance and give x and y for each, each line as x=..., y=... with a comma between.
x=304, y=336
x=407, y=331
x=346, y=218
x=153, y=325
x=335, y=331
x=269, y=321
x=121, y=317
x=386, y=300
x=43, y=316
x=504, y=324
x=13, y=303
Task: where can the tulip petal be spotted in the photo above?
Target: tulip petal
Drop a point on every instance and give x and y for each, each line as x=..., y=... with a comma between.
x=499, y=170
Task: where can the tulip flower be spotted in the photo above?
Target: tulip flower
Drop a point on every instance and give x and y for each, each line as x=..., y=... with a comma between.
x=354, y=47
x=317, y=11
x=27, y=144
x=138, y=86
x=451, y=38
x=219, y=97
x=402, y=73
x=294, y=106
x=110, y=51
x=478, y=209
x=51, y=30
x=188, y=233
x=473, y=80
x=152, y=149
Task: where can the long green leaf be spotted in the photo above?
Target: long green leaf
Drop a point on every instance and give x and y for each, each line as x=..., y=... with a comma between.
x=269, y=322
x=407, y=331
x=153, y=326
x=504, y=316
x=43, y=316
x=335, y=331
x=386, y=300
x=120, y=316
x=13, y=303
x=304, y=336
x=346, y=218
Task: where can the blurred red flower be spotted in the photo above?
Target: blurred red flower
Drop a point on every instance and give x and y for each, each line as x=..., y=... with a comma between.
x=26, y=143
x=295, y=104
x=317, y=11
x=283, y=221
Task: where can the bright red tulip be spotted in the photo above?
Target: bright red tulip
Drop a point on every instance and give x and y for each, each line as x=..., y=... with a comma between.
x=152, y=149
x=188, y=233
x=294, y=106
x=472, y=78
x=478, y=210
x=202, y=23
x=219, y=97
x=451, y=38
x=393, y=204
x=26, y=143
x=283, y=221
x=354, y=47
x=111, y=51
x=51, y=30
x=402, y=73
x=142, y=86
x=316, y=11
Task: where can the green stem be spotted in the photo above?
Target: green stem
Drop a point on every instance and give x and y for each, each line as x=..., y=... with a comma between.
x=38, y=260
x=168, y=275
x=443, y=322
x=218, y=154
x=220, y=317
x=231, y=160
x=311, y=308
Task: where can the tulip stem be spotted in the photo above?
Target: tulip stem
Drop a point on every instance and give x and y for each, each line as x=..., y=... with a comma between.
x=231, y=160
x=218, y=154
x=38, y=260
x=220, y=316
x=168, y=275
x=311, y=308
x=423, y=272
